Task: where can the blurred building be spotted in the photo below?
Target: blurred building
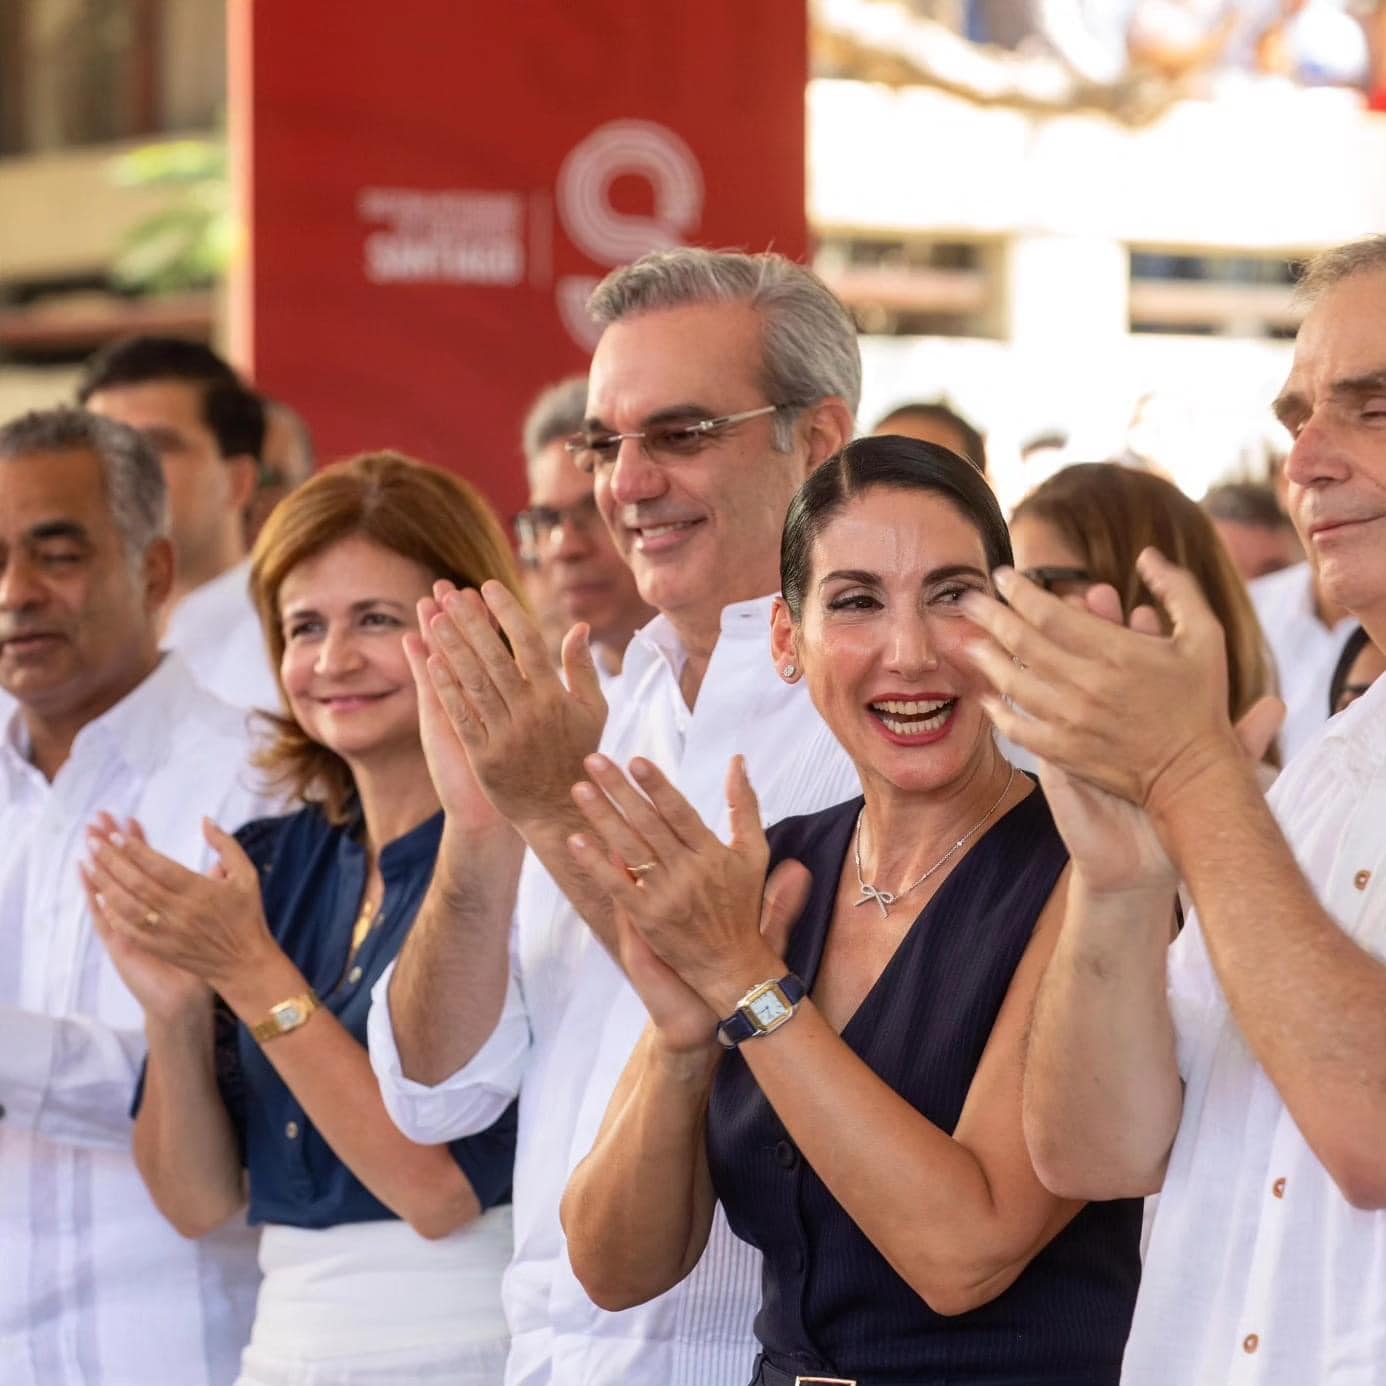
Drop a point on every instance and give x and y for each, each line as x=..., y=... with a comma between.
x=1056, y=231
x=1101, y=248
x=83, y=82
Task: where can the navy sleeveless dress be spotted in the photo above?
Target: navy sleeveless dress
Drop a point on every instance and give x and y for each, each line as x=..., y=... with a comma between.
x=832, y=1305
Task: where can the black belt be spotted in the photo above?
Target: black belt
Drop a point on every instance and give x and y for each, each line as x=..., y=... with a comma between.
x=767, y=1374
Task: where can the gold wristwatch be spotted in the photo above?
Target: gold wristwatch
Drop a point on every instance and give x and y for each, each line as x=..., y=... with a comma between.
x=287, y=1015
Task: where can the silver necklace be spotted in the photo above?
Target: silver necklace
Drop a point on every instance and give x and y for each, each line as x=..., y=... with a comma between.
x=883, y=897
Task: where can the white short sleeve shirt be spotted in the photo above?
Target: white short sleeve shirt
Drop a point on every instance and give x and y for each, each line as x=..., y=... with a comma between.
x=1259, y=1272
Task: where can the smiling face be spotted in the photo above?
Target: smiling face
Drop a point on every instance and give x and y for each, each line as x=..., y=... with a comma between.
x=701, y=531
x=344, y=613
x=881, y=639
x=1334, y=405
x=77, y=622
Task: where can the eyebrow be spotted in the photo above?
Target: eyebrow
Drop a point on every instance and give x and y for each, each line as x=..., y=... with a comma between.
x=160, y=435
x=355, y=608
x=668, y=414
x=949, y=570
x=59, y=529
x=1292, y=405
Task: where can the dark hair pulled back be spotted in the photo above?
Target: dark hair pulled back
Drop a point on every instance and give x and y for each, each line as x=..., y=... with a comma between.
x=893, y=463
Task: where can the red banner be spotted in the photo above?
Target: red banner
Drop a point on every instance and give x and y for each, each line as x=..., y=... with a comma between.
x=433, y=187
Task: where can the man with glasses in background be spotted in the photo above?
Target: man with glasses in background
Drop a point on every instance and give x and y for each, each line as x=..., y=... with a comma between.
x=720, y=381
x=572, y=570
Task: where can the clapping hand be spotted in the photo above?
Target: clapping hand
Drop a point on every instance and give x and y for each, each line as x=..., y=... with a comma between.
x=1129, y=709
x=1116, y=717
x=524, y=733
x=166, y=992
x=158, y=917
x=698, y=921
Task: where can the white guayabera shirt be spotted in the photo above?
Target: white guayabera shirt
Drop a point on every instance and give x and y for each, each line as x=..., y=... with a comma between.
x=96, y=1289
x=1259, y=1271
x=571, y=1022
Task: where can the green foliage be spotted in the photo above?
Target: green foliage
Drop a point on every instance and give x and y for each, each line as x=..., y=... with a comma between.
x=188, y=244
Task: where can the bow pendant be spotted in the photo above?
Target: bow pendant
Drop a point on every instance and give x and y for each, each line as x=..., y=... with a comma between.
x=882, y=897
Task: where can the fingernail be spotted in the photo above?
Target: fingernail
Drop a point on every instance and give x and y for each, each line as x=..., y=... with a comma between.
x=584, y=791
x=597, y=762
x=117, y=840
x=1003, y=577
x=578, y=843
x=641, y=769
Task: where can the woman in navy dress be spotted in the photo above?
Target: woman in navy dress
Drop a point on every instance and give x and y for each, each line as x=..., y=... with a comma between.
x=382, y=1259
x=849, y=1089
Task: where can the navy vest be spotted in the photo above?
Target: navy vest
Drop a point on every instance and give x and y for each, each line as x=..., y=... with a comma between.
x=832, y=1305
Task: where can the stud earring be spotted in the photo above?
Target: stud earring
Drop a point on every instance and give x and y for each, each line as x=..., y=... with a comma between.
x=789, y=671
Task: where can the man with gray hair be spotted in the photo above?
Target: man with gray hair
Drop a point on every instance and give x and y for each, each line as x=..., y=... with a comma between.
x=719, y=382
x=572, y=570
x=98, y=1288
x=1240, y=1070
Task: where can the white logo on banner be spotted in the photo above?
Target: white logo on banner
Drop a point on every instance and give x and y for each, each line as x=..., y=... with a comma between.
x=455, y=236
x=622, y=149
x=447, y=237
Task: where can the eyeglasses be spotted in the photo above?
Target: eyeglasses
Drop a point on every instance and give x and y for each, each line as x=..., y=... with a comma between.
x=535, y=526
x=669, y=442
x=1062, y=582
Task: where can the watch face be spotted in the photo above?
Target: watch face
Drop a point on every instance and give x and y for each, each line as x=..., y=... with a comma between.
x=767, y=1008
x=290, y=1014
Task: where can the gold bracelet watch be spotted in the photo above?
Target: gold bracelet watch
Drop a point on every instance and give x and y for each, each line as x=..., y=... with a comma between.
x=286, y=1016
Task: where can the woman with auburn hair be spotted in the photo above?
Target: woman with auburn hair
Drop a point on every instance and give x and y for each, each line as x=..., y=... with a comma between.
x=382, y=1259
x=1088, y=524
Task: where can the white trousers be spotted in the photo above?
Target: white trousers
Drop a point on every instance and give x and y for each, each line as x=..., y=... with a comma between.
x=374, y=1304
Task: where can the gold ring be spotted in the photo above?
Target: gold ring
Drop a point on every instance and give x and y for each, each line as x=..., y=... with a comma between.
x=635, y=872
x=150, y=920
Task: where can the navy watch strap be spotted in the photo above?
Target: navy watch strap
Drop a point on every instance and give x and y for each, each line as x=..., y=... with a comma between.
x=738, y=1026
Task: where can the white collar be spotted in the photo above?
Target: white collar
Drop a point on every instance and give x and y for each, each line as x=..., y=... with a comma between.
x=136, y=729
x=659, y=640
